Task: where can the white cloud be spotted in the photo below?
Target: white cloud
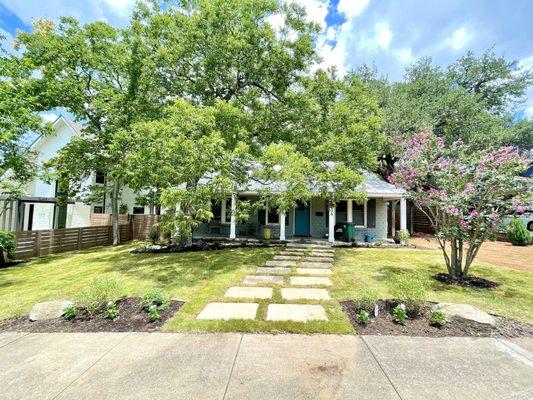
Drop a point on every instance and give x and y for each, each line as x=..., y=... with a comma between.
x=404, y=55
x=352, y=8
x=526, y=63
x=379, y=39
x=459, y=38
x=123, y=7
x=49, y=117
x=528, y=112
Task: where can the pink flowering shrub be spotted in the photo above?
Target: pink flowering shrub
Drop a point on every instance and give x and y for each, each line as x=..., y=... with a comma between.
x=464, y=193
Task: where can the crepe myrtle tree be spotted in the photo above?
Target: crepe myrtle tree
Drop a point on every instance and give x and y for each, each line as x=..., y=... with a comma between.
x=464, y=192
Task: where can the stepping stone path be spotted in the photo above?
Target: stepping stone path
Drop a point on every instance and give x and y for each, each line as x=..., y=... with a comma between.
x=246, y=292
x=296, y=312
x=228, y=311
x=306, y=263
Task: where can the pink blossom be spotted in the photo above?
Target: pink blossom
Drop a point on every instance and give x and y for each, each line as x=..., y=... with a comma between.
x=454, y=211
x=474, y=214
x=520, y=209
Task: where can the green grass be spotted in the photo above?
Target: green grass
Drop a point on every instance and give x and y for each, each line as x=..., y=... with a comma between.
x=196, y=278
x=203, y=277
x=373, y=268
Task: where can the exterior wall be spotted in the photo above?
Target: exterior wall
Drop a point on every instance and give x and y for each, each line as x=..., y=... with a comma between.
x=319, y=229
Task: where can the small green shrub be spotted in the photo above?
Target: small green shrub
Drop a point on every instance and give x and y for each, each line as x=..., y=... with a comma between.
x=152, y=312
x=517, y=233
x=410, y=289
x=167, y=235
x=111, y=310
x=70, y=312
x=362, y=317
x=404, y=236
x=8, y=244
x=100, y=292
x=123, y=209
x=366, y=299
x=399, y=314
x=438, y=317
x=155, y=297
x=153, y=236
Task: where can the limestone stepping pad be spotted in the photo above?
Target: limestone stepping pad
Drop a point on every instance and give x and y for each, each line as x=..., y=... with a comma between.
x=273, y=270
x=313, y=271
x=319, y=259
x=310, y=281
x=227, y=311
x=283, y=257
x=328, y=250
x=256, y=279
x=296, y=312
x=247, y=292
x=305, y=294
x=309, y=264
x=280, y=264
x=320, y=254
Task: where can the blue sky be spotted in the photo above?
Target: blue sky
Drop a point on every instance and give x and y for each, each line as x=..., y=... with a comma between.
x=388, y=33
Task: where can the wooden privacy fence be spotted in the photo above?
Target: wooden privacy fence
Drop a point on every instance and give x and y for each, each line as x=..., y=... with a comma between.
x=143, y=224
x=38, y=243
x=106, y=219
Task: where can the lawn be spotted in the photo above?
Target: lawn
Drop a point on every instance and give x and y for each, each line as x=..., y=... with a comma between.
x=196, y=278
x=199, y=278
x=372, y=268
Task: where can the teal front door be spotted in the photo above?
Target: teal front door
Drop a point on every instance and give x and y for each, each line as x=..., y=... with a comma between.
x=302, y=217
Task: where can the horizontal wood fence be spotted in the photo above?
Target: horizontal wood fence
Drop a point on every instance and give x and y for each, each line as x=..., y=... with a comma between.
x=106, y=219
x=38, y=243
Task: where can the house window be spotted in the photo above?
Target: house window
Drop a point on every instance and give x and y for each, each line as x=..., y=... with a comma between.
x=100, y=177
x=359, y=215
x=216, y=209
x=272, y=218
x=138, y=210
x=98, y=210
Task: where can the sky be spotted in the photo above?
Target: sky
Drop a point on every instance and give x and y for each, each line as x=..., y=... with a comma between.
x=390, y=34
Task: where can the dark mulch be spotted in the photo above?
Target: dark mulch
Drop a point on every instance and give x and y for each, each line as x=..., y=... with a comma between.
x=202, y=245
x=132, y=318
x=12, y=263
x=471, y=281
x=420, y=325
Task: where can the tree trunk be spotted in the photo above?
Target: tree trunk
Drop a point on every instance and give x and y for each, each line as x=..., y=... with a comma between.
x=114, y=212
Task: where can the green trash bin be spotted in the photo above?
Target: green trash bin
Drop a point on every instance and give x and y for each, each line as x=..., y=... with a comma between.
x=348, y=232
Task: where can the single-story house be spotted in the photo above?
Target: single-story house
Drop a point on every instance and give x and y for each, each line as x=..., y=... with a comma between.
x=312, y=219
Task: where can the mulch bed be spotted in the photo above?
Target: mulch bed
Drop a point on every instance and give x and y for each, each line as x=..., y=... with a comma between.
x=131, y=318
x=420, y=325
x=202, y=245
x=471, y=281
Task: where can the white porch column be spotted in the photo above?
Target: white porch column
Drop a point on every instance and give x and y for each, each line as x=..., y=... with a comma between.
x=233, y=218
x=331, y=234
x=393, y=217
x=282, y=226
x=403, y=214
x=349, y=210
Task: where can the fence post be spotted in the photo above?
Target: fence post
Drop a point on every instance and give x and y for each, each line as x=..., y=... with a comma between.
x=38, y=239
x=79, y=238
x=110, y=234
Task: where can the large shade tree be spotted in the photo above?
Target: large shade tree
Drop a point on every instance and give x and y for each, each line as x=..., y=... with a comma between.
x=99, y=74
x=20, y=123
x=473, y=100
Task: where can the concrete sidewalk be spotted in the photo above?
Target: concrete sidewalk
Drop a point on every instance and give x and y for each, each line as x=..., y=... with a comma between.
x=237, y=366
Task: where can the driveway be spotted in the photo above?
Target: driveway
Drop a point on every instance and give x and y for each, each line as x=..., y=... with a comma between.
x=501, y=254
x=247, y=366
